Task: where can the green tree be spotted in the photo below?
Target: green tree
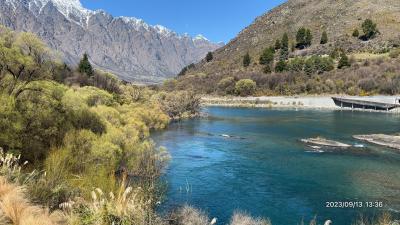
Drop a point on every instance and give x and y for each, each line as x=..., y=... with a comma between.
x=280, y=66
x=356, y=33
x=284, y=47
x=245, y=87
x=300, y=37
x=85, y=66
x=278, y=44
x=267, y=56
x=324, y=38
x=24, y=59
x=246, y=60
x=209, y=57
x=370, y=29
x=303, y=38
x=343, y=61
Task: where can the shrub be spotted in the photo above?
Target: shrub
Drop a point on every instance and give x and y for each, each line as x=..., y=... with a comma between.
x=343, y=61
x=227, y=85
x=245, y=87
x=240, y=218
x=267, y=69
x=280, y=66
x=367, y=84
x=106, y=81
x=188, y=215
x=370, y=29
x=95, y=96
x=180, y=104
x=356, y=33
x=318, y=64
x=324, y=38
x=278, y=44
x=86, y=119
x=394, y=53
x=296, y=64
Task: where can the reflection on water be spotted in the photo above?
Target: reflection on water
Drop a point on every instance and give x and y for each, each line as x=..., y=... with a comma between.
x=251, y=159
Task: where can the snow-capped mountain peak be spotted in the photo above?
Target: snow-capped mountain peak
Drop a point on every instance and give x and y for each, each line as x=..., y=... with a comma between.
x=200, y=37
x=67, y=7
x=126, y=46
x=74, y=11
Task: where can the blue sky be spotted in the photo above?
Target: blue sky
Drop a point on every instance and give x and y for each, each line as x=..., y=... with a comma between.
x=218, y=20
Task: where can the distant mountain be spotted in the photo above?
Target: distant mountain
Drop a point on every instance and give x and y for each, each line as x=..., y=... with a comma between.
x=125, y=46
x=338, y=18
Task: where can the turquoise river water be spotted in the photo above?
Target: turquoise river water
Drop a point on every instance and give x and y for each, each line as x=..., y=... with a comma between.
x=252, y=160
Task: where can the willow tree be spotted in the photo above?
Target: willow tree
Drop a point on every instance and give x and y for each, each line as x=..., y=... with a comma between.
x=24, y=60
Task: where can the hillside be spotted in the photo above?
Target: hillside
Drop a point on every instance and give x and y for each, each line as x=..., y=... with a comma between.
x=125, y=46
x=337, y=18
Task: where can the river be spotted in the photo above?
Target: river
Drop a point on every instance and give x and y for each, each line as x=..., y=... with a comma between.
x=252, y=160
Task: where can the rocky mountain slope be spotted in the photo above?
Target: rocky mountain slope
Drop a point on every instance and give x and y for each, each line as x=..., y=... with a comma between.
x=127, y=47
x=337, y=17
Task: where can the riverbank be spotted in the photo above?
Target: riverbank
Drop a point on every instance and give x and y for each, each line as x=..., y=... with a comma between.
x=293, y=102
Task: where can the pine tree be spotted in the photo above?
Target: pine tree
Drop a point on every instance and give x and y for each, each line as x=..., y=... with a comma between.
x=267, y=56
x=324, y=38
x=303, y=38
x=300, y=38
x=284, y=47
x=246, y=60
x=343, y=61
x=85, y=66
x=209, y=57
x=278, y=44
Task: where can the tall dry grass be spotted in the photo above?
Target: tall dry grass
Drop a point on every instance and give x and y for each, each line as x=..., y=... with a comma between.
x=128, y=206
x=17, y=210
x=241, y=218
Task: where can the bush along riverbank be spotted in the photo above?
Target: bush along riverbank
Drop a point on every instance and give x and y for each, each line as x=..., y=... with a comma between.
x=83, y=135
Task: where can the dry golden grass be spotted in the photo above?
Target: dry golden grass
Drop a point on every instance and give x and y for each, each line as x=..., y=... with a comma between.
x=240, y=218
x=366, y=55
x=17, y=210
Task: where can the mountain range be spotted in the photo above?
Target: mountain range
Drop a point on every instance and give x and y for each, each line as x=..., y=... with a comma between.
x=126, y=46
